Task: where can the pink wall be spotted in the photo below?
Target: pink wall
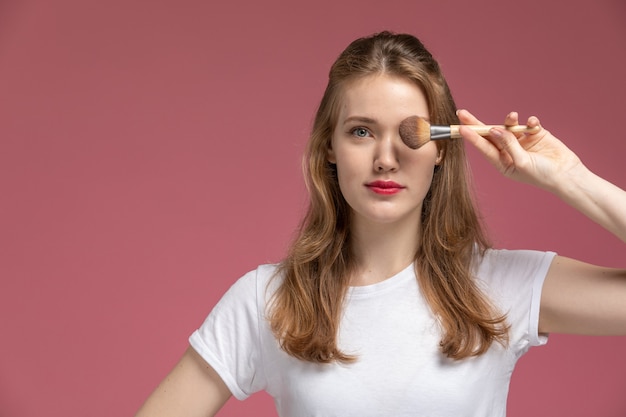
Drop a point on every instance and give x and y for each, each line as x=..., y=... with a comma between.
x=149, y=155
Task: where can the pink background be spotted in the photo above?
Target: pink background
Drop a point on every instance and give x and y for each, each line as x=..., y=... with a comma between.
x=150, y=155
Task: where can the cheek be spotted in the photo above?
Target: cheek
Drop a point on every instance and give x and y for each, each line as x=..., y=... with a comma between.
x=350, y=176
x=422, y=168
x=346, y=173
x=349, y=162
x=423, y=160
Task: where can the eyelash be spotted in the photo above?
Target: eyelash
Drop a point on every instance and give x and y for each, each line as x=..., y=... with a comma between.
x=354, y=130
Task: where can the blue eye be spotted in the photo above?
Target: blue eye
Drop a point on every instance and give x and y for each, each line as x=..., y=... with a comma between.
x=360, y=132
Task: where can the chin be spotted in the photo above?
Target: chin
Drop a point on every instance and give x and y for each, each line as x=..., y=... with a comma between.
x=405, y=219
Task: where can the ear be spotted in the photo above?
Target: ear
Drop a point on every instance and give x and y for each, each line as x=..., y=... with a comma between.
x=439, y=156
x=330, y=154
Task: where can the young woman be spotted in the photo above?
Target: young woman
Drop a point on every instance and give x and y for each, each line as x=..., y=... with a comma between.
x=390, y=301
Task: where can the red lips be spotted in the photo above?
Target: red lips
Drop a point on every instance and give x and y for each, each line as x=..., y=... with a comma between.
x=384, y=187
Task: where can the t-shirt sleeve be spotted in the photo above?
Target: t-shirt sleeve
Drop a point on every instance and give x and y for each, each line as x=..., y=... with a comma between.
x=515, y=280
x=229, y=338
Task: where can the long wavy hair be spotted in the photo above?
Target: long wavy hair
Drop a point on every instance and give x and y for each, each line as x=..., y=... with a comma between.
x=305, y=311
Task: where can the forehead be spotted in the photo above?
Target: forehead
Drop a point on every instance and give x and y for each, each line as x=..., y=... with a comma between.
x=382, y=96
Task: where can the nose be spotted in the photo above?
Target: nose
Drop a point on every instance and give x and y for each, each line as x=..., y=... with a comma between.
x=386, y=157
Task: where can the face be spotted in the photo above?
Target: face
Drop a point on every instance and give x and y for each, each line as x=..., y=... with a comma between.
x=383, y=180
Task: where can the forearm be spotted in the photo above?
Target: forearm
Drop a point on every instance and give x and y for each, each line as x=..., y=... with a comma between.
x=597, y=198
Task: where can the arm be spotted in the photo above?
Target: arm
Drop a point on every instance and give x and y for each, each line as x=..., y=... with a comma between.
x=577, y=297
x=192, y=389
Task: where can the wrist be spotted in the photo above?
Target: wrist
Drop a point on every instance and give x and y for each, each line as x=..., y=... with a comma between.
x=576, y=181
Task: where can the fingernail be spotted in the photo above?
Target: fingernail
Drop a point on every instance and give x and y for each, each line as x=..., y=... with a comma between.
x=495, y=132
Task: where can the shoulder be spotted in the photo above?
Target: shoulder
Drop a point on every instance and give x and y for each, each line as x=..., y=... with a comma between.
x=261, y=274
x=244, y=302
x=250, y=289
x=251, y=281
x=512, y=262
x=512, y=273
x=513, y=280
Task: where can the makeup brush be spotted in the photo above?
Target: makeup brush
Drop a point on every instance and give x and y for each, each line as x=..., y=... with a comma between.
x=416, y=131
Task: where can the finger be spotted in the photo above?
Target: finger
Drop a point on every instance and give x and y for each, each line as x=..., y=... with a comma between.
x=483, y=144
x=528, y=139
x=500, y=160
x=507, y=143
x=511, y=119
x=467, y=118
x=533, y=121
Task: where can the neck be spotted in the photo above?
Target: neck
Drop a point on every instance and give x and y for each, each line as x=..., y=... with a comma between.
x=382, y=250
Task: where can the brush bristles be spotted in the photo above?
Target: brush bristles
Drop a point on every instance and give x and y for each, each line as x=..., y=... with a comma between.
x=414, y=132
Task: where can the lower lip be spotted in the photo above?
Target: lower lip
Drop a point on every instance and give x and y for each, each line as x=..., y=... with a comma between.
x=385, y=191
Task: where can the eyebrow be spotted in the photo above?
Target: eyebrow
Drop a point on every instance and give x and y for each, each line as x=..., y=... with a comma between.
x=369, y=120
x=360, y=119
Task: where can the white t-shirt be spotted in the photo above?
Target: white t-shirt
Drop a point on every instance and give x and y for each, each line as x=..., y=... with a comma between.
x=400, y=370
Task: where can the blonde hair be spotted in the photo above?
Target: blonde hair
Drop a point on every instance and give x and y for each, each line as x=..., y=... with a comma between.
x=305, y=311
